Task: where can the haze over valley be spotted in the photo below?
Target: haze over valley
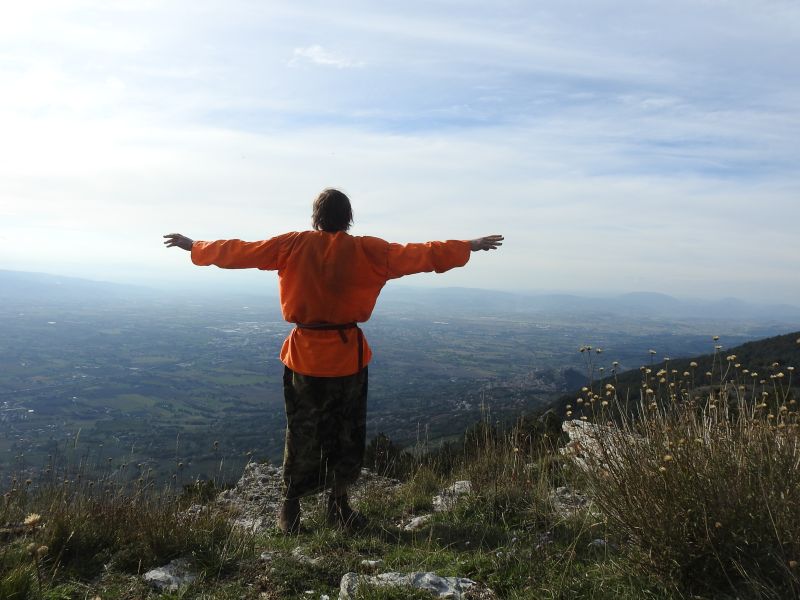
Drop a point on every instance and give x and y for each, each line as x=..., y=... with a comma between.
x=92, y=371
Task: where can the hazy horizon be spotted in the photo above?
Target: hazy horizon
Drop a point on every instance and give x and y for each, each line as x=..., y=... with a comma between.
x=619, y=147
x=259, y=283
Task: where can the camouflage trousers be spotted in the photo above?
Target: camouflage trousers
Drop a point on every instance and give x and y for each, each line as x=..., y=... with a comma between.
x=326, y=431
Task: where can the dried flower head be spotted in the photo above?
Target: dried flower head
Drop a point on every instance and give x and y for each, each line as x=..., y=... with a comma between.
x=32, y=520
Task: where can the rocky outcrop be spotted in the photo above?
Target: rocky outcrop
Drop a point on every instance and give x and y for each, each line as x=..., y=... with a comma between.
x=253, y=502
x=452, y=588
x=592, y=446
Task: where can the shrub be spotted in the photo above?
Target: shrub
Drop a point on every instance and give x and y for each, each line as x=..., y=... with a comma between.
x=704, y=480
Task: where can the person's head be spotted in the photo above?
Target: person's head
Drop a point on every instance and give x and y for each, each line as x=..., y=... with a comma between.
x=332, y=211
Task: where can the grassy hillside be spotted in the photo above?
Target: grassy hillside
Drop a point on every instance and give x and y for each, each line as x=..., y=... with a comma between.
x=695, y=498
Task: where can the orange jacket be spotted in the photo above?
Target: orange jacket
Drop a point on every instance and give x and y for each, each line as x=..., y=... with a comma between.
x=330, y=278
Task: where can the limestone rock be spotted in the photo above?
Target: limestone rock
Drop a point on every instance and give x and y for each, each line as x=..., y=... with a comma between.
x=592, y=446
x=417, y=523
x=447, y=498
x=255, y=499
x=450, y=588
x=302, y=557
x=257, y=496
x=171, y=577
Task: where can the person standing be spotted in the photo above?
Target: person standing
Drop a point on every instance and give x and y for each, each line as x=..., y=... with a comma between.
x=329, y=281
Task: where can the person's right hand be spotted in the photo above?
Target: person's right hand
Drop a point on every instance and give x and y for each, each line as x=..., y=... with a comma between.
x=176, y=239
x=490, y=242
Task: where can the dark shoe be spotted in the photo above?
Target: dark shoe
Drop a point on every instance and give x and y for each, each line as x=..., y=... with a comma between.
x=289, y=517
x=341, y=515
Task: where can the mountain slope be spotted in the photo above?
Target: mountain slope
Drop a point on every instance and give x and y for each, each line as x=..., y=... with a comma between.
x=764, y=357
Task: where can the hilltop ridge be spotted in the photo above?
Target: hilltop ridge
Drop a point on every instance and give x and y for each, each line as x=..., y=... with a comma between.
x=764, y=357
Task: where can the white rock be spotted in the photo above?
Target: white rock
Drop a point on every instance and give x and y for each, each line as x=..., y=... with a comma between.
x=418, y=523
x=171, y=577
x=299, y=556
x=371, y=564
x=257, y=496
x=255, y=500
x=447, y=498
x=592, y=446
x=265, y=557
x=451, y=588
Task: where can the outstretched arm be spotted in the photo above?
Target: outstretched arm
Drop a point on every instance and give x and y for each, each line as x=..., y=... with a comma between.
x=490, y=242
x=234, y=254
x=435, y=256
x=181, y=241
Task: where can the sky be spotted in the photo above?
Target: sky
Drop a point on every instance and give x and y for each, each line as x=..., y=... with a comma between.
x=620, y=146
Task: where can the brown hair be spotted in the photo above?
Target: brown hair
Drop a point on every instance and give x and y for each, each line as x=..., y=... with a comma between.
x=332, y=211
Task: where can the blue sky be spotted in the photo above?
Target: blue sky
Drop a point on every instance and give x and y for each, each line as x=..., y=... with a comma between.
x=619, y=146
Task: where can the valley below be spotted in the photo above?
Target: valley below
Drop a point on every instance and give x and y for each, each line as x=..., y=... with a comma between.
x=191, y=388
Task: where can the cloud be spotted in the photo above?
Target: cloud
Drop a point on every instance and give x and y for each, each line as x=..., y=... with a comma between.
x=320, y=56
x=618, y=147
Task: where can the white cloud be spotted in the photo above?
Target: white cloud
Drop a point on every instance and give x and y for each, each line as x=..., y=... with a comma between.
x=617, y=147
x=320, y=56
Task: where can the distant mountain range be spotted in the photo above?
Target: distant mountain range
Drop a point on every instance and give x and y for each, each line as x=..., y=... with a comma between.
x=24, y=286
x=636, y=304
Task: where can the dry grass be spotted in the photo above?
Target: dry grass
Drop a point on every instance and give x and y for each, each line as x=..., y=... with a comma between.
x=704, y=479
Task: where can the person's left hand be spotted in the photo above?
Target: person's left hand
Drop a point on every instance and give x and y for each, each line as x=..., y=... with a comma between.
x=490, y=242
x=176, y=239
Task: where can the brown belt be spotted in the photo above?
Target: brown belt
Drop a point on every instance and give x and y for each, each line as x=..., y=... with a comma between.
x=340, y=327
